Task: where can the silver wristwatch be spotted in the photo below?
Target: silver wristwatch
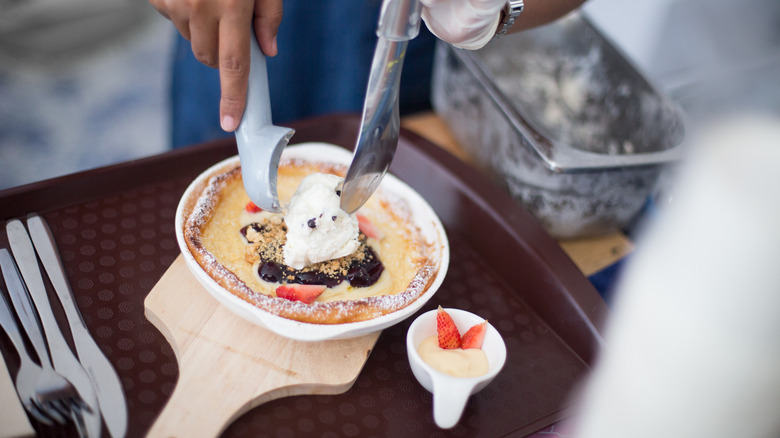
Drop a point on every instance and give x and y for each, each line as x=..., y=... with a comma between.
x=512, y=10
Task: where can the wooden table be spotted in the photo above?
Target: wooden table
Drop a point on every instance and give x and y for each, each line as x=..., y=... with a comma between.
x=589, y=254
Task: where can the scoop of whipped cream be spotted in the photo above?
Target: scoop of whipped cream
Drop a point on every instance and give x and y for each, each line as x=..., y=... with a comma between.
x=317, y=228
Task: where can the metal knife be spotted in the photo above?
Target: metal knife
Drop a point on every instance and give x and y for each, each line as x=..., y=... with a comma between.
x=104, y=378
x=399, y=22
x=64, y=360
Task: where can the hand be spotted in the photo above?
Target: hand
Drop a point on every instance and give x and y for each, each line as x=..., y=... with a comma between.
x=219, y=31
x=468, y=24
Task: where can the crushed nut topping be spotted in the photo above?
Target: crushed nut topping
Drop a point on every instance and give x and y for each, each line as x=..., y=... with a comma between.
x=265, y=243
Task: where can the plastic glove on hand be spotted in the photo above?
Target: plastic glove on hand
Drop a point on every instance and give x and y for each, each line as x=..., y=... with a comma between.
x=467, y=24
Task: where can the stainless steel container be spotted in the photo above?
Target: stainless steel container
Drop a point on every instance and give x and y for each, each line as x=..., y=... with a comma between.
x=561, y=119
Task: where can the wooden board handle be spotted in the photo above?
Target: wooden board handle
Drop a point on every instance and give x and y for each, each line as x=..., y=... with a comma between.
x=228, y=365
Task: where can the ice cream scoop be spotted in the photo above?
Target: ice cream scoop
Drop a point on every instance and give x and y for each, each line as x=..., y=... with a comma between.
x=260, y=143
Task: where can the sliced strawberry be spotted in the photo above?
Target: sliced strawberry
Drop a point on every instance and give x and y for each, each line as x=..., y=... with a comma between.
x=449, y=336
x=474, y=336
x=252, y=208
x=300, y=292
x=367, y=228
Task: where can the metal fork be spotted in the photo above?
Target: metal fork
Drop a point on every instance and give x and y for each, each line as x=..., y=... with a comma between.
x=53, y=394
x=62, y=357
x=29, y=371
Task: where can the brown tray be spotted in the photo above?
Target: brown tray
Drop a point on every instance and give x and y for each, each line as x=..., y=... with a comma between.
x=114, y=229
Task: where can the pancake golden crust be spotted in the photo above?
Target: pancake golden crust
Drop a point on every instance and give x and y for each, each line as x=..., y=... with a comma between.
x=200, y=209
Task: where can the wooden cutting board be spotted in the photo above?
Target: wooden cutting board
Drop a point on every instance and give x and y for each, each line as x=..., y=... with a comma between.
x=228, y=365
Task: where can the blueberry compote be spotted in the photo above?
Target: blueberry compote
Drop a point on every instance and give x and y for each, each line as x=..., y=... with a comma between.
x=361, y=269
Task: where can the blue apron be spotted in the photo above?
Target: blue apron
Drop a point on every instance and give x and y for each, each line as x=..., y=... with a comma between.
x=325, y=52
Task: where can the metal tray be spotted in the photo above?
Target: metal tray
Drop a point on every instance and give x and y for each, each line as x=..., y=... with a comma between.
x=114, y=229
x=561, y=119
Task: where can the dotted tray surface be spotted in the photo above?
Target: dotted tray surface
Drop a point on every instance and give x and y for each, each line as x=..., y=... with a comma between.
x=114, y=230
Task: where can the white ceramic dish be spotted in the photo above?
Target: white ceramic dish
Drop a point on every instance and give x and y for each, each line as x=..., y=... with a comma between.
x=422, y=214
x=450, y=394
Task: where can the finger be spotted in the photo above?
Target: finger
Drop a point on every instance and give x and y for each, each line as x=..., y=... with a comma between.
x=160, y=7
x=182, y=23
x=178, y=16
x=234, y=34
x=267, y=18
x=183, y=26
x=204, y=28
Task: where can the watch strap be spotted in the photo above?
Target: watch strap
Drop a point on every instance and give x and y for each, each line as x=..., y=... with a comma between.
x=512, y=10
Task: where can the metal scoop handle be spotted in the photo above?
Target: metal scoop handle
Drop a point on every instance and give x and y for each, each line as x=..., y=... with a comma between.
x=260, y=143
x=399, y=22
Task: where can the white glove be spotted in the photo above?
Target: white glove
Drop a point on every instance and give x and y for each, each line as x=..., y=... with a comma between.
x=468, y=24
